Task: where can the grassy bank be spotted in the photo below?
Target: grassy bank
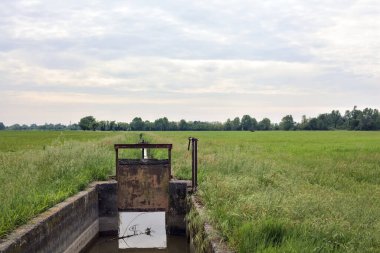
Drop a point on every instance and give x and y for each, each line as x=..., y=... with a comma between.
x=47, y=167
x=265, y=191
x=288, y=191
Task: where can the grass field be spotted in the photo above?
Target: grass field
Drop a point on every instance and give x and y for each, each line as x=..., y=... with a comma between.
x=12, y=141
x=39, y=169
x=265, y=191
x=288, y=191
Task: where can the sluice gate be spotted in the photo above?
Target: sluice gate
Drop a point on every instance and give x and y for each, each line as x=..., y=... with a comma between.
x=143, y=197
x=143, y=184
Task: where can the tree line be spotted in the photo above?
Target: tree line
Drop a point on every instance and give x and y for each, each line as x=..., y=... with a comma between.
x=355, y=119
x=46, y=126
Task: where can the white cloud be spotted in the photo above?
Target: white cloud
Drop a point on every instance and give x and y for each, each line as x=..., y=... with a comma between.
x=228, y=57
x=352, y=43
x=65, y=98
x=164, y=74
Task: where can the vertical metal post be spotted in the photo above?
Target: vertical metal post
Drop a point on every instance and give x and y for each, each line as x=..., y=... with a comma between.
x=192, y=164
x=170, y=162
x=195, y=163
x=117, y=158
x=142, y=150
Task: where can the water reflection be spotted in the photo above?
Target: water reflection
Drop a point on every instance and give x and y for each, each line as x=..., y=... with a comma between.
x=142, y=230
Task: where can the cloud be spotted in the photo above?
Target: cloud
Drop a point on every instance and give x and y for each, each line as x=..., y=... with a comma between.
x=152, y=74
x=64, y=98
x=220, y=57
x=353, y=41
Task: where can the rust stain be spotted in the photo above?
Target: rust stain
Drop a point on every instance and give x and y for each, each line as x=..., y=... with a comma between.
x=143, y=186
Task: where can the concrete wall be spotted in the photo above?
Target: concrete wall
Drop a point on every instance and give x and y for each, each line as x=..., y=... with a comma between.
x=175, y=218
x=203, y=237
x=72, y=224
x=57, y=230
x=108, y=213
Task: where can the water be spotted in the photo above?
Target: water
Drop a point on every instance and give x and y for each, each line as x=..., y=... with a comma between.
x=140, y=232
x=108, y=244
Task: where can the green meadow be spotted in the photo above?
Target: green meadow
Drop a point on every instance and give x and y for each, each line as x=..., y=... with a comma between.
x=265, y=191
x=12, y=141
x=288, y=191
x=38, y=169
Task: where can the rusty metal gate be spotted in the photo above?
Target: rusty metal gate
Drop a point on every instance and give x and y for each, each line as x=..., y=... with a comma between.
x=143, y=184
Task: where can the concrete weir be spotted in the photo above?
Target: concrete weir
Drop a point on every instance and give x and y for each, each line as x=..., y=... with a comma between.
x=71, y=225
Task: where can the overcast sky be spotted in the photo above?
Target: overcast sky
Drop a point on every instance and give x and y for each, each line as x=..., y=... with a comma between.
x=196, y=60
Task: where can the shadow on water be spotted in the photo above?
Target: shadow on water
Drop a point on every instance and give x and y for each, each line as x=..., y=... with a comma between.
x=140, y=232
x=108, y=244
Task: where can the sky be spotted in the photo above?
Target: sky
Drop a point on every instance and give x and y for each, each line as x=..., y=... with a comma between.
x=192, y=60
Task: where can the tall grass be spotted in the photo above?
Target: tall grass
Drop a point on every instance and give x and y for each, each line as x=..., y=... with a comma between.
x=288, y=191
x=265, y=191
x=12, y=141
x=33, y=180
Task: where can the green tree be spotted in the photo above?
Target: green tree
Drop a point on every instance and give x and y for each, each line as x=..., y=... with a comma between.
x=227, y=125
x=236, y=124
x=287, y=123
x=88, y=123
x=323, y=122
x=2, y=127
x=275, y=126
x=246, y=123
x=304, y=125
x=376, y=119
x=148, y=126
x=265, y=124
x=367, y=120
x=122, y=126
x=161, y=124
x=173, y=126
x=354, y=118
x=313, y=124
x=102, y=125
x=112, y=125
x=137, y=124
x=182, y=125
x=336, y=118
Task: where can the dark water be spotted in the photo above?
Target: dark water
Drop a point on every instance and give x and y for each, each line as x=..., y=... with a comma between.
x=140, y=232
x=107, y=244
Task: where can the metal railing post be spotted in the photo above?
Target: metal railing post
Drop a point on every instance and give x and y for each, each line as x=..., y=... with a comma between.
x=117, y=160
x=194, y=162
x=170, y=162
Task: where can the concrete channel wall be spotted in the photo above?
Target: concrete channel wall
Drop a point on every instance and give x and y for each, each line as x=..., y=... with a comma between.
x=70, y=225
x=108, y=213
x=175, y=217
x=203, y=237
x=56, y=230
